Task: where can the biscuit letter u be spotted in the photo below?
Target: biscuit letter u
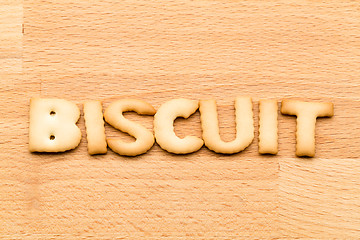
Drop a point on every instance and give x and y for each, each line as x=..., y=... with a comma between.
x=244, y=126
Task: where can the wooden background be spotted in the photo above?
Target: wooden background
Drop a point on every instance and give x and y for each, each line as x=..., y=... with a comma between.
x=157, y=50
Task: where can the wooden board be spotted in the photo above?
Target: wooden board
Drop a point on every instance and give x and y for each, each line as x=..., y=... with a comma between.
x=164, y=49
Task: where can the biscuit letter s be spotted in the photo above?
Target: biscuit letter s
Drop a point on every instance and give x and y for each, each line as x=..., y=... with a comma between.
x=144, y=138
x=53, y=125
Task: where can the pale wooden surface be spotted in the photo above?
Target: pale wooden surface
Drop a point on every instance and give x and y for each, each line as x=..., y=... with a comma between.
x=158, y=50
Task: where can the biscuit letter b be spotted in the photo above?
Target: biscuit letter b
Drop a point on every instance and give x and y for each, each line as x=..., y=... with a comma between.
x=53, y=125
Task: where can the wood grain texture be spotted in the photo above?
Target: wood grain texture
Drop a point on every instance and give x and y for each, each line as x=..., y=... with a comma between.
x=159, y=50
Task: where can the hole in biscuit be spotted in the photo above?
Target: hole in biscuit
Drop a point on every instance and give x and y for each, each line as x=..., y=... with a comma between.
x=52, y=113
x=52, y=137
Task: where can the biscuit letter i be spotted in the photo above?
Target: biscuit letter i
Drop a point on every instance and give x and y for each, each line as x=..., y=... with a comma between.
x=53, y=125
x=268, y=129
x=95, y=130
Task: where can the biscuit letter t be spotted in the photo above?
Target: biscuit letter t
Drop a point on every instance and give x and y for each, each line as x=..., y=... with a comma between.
x=53, y=125
x=306, y=113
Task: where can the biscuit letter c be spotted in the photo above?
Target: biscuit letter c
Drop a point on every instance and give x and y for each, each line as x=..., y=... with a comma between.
x=164, y=126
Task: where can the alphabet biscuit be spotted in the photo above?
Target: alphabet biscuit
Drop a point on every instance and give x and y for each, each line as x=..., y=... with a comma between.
x=144, y=138
x=306, y=113
x=268, y=129
x=95, y=130
x=244, y=126
x=53, y=125
x=164, y=126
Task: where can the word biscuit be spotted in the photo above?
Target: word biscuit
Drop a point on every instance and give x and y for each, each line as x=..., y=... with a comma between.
x=53, y=126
